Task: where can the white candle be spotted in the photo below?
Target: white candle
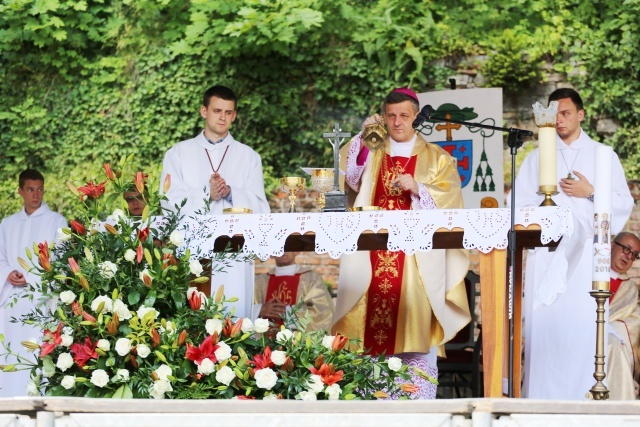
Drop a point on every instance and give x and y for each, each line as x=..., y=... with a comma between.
x=546, y=121
x=547, y=152
x=602, y=218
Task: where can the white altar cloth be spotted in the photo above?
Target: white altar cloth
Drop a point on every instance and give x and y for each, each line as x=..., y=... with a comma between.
x=337, y=233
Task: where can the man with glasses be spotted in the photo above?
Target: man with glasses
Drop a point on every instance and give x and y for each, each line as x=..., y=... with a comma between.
x=624, y=320
x=35, y=223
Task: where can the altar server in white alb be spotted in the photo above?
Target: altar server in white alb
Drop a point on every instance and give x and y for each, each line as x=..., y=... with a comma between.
x=559, y=312
x=214, y=166
x=35, y=223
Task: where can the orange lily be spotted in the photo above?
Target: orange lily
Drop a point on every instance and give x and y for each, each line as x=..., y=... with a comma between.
x=108, y=172
x=328, y=373
x=77, y=227
x=92, y=190
x=43, y=256
x=167, y=183
x=140, y=179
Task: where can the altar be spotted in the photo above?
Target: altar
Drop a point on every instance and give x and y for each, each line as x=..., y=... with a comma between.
x=337, y=233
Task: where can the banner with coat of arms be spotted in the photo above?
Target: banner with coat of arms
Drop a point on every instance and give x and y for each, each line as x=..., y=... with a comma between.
x=478, y=152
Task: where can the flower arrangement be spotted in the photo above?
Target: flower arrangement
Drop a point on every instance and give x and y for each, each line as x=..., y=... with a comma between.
x=128, y=319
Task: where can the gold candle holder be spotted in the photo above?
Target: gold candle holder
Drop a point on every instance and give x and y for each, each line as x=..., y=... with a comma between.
x=599, y=391
x=548, y=191
x=292, y=185
x=322, y=181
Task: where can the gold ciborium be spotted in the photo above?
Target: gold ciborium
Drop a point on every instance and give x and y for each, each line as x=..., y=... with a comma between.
x=322, y=181
x=292, y=185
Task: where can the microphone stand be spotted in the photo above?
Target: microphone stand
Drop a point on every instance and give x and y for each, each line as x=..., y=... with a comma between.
x=514, y=140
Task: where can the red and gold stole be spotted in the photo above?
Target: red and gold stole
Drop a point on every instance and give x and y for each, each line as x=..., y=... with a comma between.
x=284, y=288
x=386, y=282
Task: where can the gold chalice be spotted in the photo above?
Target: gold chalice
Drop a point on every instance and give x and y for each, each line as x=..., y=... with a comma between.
x=322, y=181
x=292, y=185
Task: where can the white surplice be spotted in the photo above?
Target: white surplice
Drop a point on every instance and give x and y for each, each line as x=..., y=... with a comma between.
x=559, y=312
x=190, y=164
x=18, y=232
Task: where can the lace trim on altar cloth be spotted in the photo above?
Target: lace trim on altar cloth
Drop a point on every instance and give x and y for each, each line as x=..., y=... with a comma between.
x=337, y=233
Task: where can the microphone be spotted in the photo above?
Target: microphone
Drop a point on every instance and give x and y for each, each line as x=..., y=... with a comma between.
x=423, y=115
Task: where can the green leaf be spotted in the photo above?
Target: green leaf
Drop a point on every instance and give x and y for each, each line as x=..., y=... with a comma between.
x=123, y=392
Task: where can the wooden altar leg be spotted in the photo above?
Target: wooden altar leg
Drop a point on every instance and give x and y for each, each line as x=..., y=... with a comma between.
x=492, y=304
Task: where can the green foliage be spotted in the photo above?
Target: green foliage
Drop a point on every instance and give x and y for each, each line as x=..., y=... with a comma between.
x=86, y=82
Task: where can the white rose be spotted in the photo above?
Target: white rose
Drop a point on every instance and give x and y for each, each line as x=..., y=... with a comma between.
x=121, y=309
x=123, y=346
x=283, y=336
x=225, y=375
x=144, y=273
x=278, y=357
x=333, y=391
x=266, y=378
x=65, y=361
x=223, y=352
x=395, y=363
x=67, y=330
x=99, y=378
x=32, y=388
x=67, y=297
x=61, y=236
x=306, y=395
x=176, y=238
x=122, y=375
x=130, y=255
x=68, y=382
x=108, y=304
x=107, y=269
x=143, y=350
x=195, y=267
x=315, y=383
x=163, y=372
x=327, y=341
x=143, y=310
x=270, y=397
x=212, y=326
x=117, y=215
x=247, y=325
x=261, y=325
x=66, y=340
x=162, y=386
x=206, y=367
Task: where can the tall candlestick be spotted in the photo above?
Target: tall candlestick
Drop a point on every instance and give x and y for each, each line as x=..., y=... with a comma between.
x=602, y=219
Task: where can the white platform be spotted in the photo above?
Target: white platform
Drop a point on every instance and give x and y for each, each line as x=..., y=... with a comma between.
x=81, y=412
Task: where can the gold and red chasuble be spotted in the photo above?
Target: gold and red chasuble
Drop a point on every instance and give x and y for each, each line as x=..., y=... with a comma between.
x=285, y=288
x=386, y=283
